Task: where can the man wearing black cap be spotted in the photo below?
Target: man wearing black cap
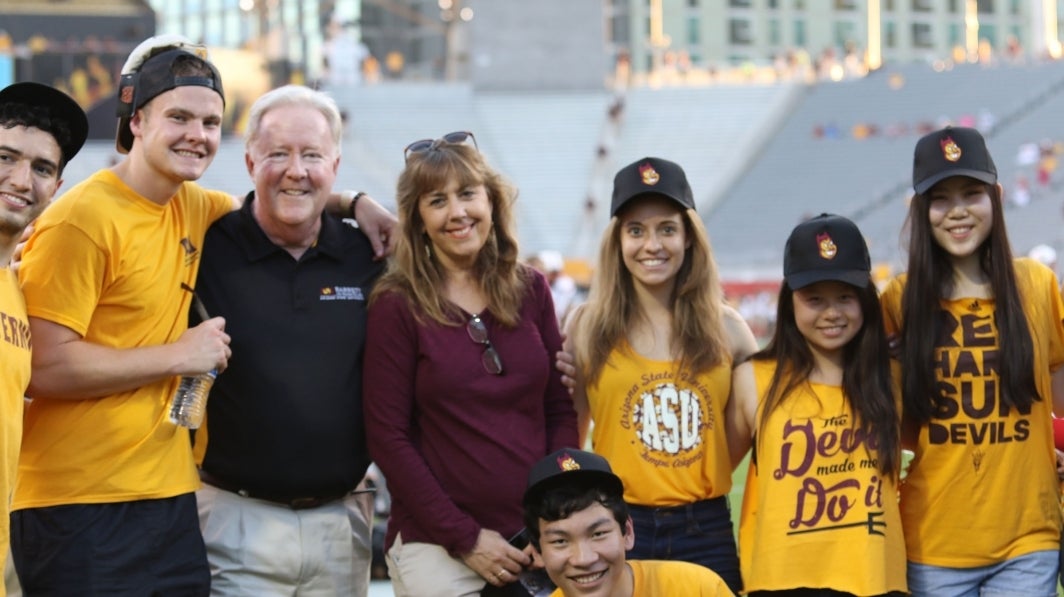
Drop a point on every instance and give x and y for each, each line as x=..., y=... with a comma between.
x=41, y=130
x=103, y=470
x=579, y=525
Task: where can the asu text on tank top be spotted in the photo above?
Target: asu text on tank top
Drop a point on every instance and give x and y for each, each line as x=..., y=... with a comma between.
x=662, y=432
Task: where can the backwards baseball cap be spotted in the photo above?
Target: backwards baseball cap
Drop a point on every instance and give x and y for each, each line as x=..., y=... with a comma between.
x=571, y=467
x=827, y=247
x=148, y=72
x=651, y=176
x=952, y=151
x=60, y=107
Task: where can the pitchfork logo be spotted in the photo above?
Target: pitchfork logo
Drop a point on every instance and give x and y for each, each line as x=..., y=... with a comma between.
x=191, y=253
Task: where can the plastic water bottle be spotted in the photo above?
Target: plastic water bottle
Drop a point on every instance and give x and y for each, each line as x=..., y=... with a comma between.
x=190, y=401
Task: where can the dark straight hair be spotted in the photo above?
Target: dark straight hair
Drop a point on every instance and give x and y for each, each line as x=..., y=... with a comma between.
x=866, y=379
x=929, y=281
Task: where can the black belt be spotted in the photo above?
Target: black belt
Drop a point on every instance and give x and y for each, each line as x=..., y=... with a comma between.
x=295, y=503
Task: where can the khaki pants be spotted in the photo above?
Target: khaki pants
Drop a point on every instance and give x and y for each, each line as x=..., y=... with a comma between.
x=427, y=570
x=256, y=547
x=11, y=579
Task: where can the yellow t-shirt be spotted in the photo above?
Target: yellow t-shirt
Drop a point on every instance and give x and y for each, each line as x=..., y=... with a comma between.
x=982, y=487
x=662, y=433
x=14, y=377
x=653, y=578
x=817, y=513
x=109, y=264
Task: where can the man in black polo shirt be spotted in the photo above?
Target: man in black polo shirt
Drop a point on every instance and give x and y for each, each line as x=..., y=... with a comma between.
x=283, y=445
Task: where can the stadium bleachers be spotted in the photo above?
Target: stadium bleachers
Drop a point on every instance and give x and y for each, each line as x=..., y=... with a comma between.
x=800, y=174
x=759, y=157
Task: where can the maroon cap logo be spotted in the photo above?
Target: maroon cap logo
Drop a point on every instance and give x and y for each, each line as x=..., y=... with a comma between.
x=649, y=174
x=568, y=463
x=950, y=150
x=828, y=250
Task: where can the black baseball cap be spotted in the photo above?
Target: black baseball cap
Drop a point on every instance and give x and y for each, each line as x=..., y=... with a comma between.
x=651, y=176
x=571, y=466
x=827, y=247
x=148, y=72
x=952, y=151
x=60, y=106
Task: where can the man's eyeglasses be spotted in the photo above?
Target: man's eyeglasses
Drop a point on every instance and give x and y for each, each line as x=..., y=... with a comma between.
x=455, y=138
x=490, y=358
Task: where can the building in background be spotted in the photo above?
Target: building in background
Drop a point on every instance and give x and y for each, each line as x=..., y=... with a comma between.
x=721, y=34
x=499, y=44
x=545, y=45
x=290, y=35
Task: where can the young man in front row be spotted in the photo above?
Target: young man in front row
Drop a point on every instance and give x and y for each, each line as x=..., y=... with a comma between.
x=579, y=525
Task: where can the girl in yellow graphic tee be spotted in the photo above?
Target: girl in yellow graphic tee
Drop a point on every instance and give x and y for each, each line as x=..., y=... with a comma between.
x=981, y=340
x=654, y=347
x=820, y=511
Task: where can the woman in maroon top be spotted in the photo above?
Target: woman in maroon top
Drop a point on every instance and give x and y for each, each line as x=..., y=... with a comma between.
x=461, y=395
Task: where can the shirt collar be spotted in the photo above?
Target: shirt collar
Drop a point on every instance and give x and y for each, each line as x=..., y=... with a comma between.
x=259, y=246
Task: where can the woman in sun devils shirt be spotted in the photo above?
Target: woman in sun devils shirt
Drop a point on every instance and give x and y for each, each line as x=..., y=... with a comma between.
x=980, y=335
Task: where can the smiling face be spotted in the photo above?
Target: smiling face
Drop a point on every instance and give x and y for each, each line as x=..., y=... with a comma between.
x=178, y=132
x=584, y=553
x=961, y=216
x=293, y=162
x=29, y=177
x=653, y=240
x=829, y=315
x=457, y=220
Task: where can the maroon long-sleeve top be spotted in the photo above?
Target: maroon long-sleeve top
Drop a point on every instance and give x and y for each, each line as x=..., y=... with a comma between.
x=455, y=443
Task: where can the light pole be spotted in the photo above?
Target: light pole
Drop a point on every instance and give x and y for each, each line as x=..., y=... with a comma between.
x=971, y=29
x=874, y=56
x=1050, y=34
x=658, y=40
x=454, y=17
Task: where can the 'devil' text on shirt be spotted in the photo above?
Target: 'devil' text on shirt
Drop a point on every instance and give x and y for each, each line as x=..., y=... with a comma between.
x=833, y=460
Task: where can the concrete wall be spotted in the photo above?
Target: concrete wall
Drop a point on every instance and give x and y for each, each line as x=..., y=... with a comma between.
x=549, y=45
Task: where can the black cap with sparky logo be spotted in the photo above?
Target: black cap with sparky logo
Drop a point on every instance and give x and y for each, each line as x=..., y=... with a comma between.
x=651, y=176
x=952, y=151
x=827, y=247
x=149, y=71
x=570, y=466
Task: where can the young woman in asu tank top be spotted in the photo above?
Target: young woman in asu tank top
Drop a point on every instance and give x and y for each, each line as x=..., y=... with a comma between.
x=654, y=347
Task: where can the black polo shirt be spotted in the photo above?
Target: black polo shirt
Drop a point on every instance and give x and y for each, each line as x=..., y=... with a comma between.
x=285, y=418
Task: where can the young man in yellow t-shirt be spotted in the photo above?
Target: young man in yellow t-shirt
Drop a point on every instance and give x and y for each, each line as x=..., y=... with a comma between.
x=104, y=500
x=579, y=528
x=41, y=130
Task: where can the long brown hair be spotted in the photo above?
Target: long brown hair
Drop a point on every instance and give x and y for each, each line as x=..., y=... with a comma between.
x=415, y=273
x=697, y=300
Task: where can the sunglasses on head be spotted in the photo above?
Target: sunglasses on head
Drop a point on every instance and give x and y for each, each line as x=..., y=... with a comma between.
x=423, y=145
